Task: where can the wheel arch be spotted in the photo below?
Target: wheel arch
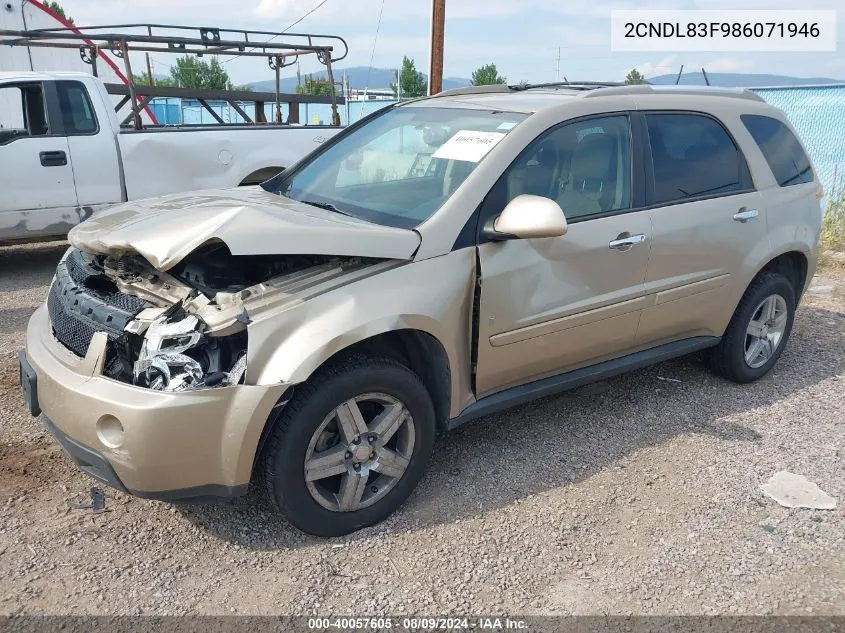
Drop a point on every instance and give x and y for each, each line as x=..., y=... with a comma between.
x=794, y=264
x=417, y=349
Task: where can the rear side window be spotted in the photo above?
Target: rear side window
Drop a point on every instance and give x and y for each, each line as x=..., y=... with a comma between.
x=77, y=112
x=787, y=159
x=22, y=112
x=693, y=157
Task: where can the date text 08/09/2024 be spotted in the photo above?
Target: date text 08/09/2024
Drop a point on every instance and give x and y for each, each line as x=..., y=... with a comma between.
x=417, y=624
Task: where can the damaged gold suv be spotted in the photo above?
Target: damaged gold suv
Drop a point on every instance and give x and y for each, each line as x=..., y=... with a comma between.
x=438, y=261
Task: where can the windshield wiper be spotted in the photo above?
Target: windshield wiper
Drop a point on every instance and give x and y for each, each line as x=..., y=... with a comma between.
x=325, y=205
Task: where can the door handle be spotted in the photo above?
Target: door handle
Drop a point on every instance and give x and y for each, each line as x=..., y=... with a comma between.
x=745, y=214
x=53, y=159
x=625, y=243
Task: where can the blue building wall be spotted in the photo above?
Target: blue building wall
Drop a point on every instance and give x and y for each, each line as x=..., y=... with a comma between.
x=190, y=112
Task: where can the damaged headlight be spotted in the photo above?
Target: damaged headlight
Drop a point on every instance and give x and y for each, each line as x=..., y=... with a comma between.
x=176, y=355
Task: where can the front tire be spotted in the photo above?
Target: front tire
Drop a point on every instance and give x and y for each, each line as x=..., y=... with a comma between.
x=350, y=447
x=758, y=331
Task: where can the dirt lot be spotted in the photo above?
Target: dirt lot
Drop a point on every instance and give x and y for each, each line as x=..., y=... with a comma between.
x=637, y=495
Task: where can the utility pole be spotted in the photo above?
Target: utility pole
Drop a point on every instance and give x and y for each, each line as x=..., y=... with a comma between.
x=149, y=71
x=557, y=76
x=149, y=66
x=438, y=33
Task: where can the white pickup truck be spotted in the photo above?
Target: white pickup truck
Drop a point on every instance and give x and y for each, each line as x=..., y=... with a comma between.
x=63, y=155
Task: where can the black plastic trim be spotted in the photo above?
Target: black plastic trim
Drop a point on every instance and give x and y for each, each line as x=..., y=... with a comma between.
x=555, y=384
x=29, y=385
x=87, y=459
x=95, y=465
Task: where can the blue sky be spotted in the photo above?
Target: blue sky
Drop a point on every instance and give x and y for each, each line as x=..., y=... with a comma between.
x=521, y=37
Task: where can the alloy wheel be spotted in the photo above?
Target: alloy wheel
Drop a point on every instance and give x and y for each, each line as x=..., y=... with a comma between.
x=359, y=452
x=765, y=331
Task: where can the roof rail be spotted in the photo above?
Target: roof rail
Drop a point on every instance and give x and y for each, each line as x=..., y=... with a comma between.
x=640, y=89
x=502, y=88
x=474, y=90
x=573, y=85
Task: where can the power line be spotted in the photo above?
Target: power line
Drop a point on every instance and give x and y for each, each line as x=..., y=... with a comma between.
x=287, y=28
x=373, y=56
x=301, y=19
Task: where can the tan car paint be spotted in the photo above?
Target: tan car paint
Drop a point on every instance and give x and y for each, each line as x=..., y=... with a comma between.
x=547, y=305
x=550, y=304
x=171, y=440
x=249, y=220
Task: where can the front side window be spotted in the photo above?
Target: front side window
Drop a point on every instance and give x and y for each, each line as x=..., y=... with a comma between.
x=399, y=168
x=783, y=152
x=693, y=157
x=77, y=113
x=22, y=112
x=584, y=166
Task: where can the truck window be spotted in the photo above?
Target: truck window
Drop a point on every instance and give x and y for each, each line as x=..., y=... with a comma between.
x=693, y=157
x=783, y=152
x=22, y=112
x=77, y=113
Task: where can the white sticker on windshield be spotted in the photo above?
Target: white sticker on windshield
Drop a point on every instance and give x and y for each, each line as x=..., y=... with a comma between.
x=507, y=125
x=469, y=146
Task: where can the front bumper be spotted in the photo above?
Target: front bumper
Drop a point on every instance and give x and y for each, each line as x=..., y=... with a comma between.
x=170, y=446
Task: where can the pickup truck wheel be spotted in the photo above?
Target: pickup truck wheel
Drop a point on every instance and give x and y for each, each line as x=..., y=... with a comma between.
x=350, y=447
x=758, y=331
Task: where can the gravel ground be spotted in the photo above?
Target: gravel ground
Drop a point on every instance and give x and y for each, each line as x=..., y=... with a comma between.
x=636, y=495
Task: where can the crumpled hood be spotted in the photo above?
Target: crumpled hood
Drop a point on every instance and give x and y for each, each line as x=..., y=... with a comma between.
x=249, y=220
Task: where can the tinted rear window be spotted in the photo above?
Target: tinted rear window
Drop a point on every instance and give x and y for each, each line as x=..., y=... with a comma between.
x=693, y=157
x=787, y=159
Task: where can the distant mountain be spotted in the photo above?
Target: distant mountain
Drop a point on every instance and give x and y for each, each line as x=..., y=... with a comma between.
x=741, y=80
x=379, y=78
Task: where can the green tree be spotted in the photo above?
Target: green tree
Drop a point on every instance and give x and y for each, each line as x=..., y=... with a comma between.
x=487, y=76
x=635, y=77
x=58, y=9
x=193, y=72
x=143, y=80
x=316, y=87
x=412, y=83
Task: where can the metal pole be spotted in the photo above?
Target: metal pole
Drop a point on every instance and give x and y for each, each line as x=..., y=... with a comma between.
x=346, y=95
x=133, y=99
x=149, y=66
x=149, y=70
x=278, y=86
x=332, y=91
x=557, y=76
x=438, y=32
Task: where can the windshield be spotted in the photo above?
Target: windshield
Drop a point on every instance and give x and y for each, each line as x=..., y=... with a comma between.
x=399, y=168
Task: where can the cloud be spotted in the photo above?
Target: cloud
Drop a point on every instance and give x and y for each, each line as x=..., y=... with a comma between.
x=662, y=67
x=729, y=65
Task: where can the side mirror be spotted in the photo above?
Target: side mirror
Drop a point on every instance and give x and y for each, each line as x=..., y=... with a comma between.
x=527, y=217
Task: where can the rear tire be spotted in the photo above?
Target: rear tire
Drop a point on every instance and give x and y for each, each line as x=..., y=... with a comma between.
x=758, y=331
x=350, y=447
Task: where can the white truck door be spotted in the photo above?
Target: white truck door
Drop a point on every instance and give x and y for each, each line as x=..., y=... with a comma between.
x=37, y=194
x=93, y=147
